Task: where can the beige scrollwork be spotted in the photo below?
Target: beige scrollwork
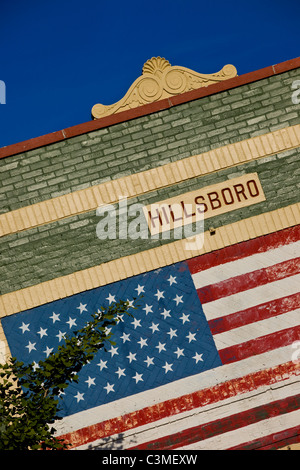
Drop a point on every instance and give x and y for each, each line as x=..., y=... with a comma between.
x=161, y=80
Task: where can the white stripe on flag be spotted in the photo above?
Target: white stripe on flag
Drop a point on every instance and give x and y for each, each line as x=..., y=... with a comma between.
x=198, y=416
x=252, y=297
x=257, y=329
x=245, y=265
x=248, y=433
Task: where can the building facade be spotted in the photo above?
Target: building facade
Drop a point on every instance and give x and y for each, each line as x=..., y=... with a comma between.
x=184, y=194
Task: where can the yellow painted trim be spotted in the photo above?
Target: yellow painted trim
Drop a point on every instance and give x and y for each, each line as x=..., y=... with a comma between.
x=291, y=447
x=146, y=261
x=5, y=353
x=89, y=199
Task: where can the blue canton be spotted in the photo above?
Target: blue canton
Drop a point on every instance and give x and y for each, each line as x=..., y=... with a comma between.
x=167, y=339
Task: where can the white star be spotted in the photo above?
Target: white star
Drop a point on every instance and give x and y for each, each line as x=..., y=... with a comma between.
x=131, y=357
x=82, y=308
x=48, y=351
x=55, y=317
x=79, y=396
x=136, y=323
x=161, y=347
x=130, y=303
x=125, y=337
x=191, y=337
x=119, y=318
x=149, y=361
x=110, y=298
x=142, y=342
x=113, y=351
x=42, y=332
x=159, y=294
x=172, y=333
x=140, y=289
x=109, y=388
x=179, y=352
x=24, y=327
x=138, y=378
x=107, y=331
x=90, y=381
x=172, y=280
x=154, y=327
x=120, y=372
x=198, y=357
x=31, y=346
x=148, y=309
x=61, y=335
x=71, y=322
x=184, y=318
x=166, y=313
x=35, y=366
x=178, y=299
x=102, y=364
x=167, y=367
x=99, y=313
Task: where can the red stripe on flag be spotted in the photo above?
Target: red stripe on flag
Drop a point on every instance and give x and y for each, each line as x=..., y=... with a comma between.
x=259, y=345
x=260, y=312
x=272, y=441
x=250, y=280
x=188, y=402
x=244, y=249
x=220, y=426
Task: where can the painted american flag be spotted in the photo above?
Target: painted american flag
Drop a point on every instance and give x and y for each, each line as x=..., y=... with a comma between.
x=206, y=362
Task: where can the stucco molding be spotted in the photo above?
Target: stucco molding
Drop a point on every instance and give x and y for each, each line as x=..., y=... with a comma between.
x=160, y=80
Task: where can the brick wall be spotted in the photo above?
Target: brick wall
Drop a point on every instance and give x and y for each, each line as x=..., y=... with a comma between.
x=65, y=246
x=146, y=142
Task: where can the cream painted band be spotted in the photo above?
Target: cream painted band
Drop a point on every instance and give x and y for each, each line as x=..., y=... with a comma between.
x=89, y=199
x=145, y=261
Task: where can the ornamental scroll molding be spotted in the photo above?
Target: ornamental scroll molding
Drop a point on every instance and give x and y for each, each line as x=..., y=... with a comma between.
x=161, y=80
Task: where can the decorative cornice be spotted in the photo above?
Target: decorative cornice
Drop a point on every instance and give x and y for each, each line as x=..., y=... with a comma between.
x=160, y=80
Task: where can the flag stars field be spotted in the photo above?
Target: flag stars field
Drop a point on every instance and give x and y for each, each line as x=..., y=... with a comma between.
x=156, y=345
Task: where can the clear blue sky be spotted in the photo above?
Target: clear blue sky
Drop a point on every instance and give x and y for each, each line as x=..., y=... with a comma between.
x=59, y=58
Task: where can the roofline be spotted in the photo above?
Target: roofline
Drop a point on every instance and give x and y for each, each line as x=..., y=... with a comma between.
x=147, y=109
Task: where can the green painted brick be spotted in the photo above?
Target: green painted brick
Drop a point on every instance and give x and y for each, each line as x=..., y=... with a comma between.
x=71, y=244
x=184, y=130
